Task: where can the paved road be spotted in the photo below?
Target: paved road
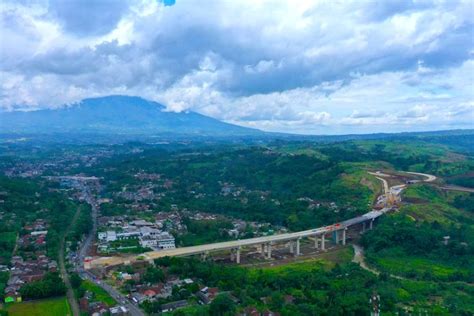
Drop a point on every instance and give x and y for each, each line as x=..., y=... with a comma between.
x=85, y=246
x=217, y=246
x=429, y=177
x=234, y=244
x=119, y=297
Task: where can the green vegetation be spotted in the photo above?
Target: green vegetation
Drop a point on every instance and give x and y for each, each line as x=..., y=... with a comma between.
x=401, y=246
x=28, y=200
x=7, y=244
x=287, y=182
x=202, y=232
x=3, y=283
x=99, y=294
x=50, y=285
x=46, y=307
x=319, y=288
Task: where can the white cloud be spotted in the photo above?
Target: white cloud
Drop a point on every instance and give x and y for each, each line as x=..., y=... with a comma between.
x=305, y=66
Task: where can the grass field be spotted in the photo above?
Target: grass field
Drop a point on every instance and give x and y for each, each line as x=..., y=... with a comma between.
x=47, y=307
x=99, y=293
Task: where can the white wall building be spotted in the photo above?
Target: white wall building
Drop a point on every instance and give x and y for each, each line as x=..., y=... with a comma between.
x=162, y=240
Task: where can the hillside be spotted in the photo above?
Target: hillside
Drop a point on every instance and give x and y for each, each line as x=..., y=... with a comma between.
x=116, y=115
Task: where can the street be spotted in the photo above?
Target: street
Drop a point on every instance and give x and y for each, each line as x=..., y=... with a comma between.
x=85, y=246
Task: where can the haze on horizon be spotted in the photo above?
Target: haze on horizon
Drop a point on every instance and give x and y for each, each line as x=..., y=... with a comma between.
x=311, y=67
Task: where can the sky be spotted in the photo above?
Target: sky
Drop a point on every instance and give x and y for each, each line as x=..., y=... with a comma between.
x=309, y=67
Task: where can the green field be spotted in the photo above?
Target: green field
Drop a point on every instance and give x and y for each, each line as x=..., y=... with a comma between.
x=48, y=307
x=411, y=265
x=99, y=294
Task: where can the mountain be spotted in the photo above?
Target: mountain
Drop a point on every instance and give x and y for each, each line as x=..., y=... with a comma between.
x=117, y=115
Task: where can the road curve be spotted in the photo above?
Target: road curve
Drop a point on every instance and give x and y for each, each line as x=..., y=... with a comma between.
x=429, y=177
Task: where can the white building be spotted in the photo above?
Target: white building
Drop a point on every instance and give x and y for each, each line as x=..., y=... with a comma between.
x=111, y=236
x=162, y=240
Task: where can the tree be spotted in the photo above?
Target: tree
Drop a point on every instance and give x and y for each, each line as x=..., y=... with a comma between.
x=153, y=275
x=222, y=305
x=75, y=280
x=50, y=285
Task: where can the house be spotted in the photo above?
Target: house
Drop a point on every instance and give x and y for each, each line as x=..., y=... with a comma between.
x=149, y=293
x=188, y=281
x=84, y=304
x=97, y=308
x=207, y=295
x=173, y=306
x=119, y=311
x=250, y=311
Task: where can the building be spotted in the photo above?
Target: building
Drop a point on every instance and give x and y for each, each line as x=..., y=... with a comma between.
x=173, y=305
x=119, y=311
x=163, y=240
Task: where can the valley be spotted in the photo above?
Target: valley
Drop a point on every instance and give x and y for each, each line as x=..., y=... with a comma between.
x=254, y=208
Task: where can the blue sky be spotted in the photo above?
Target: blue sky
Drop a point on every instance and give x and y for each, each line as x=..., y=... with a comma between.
x=313, y=67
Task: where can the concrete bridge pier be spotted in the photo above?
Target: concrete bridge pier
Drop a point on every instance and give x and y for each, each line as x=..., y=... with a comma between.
x=269, y=251
x=237, y=255
x=340, y=236
x=298, y=247
x=371, y=224
x=204, y=255
x=316, y=242
x=292, y=250
x=363, y=227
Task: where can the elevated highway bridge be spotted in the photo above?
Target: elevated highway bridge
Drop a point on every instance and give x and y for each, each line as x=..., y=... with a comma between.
x=264, y=243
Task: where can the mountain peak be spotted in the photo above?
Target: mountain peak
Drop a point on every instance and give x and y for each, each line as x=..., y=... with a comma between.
x=117, y=114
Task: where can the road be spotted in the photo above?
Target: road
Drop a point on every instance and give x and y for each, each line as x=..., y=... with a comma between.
x=359, y=258
x=429, y=177
x=119, y=297
x=62, y=268
x=186, y=251
x=235, y=244
x=457, y=188
x=211, y=247
x=84, y=249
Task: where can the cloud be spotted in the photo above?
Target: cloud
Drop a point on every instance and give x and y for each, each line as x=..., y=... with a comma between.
x=87, y=17
x=323, y=66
